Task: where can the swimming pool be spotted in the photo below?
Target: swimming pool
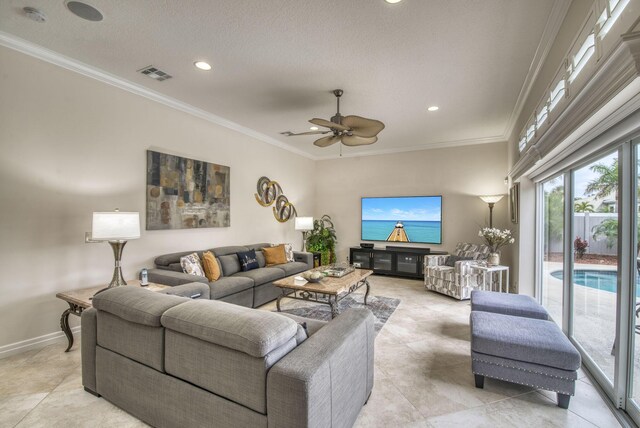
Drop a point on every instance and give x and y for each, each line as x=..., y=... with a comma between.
x=605, y=280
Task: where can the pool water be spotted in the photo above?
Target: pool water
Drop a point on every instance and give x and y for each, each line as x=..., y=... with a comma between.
x=605, y=280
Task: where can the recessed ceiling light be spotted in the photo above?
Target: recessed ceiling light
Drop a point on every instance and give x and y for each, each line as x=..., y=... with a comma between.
x=314, y=128
x=393, y=1
x=202, y=65
x=433, y=108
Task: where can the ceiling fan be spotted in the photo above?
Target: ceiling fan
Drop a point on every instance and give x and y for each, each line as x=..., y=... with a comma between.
x=350, y=130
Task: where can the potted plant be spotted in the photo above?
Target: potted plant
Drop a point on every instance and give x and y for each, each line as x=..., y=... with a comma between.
x=322, y=239
x=580, y=246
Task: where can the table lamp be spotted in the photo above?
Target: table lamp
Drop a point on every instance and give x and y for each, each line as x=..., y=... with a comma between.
x=491, y=200
x=116, y=228
x=304, y=224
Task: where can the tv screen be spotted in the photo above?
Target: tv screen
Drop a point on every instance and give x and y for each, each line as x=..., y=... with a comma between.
x=416, y=219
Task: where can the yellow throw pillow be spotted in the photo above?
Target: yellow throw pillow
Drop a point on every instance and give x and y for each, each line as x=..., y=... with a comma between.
x=211, y=267
x=274, y=255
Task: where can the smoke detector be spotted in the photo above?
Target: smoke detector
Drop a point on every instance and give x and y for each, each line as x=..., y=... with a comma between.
x=34, y=14
x=155, y=73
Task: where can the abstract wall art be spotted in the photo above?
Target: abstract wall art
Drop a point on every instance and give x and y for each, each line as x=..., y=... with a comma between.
x=270, y=192
x=185, y=193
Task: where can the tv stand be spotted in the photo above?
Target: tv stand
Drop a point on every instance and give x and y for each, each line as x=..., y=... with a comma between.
x=392, y=260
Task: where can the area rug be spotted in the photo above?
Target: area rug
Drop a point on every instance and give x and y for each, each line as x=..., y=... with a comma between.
x=382, y=308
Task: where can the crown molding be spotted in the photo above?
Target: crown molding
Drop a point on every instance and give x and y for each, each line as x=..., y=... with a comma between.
x=421, y=147
x=18, y=44
x=551, y=29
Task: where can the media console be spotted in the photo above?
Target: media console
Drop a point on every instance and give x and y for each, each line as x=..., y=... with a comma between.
x=395, y=261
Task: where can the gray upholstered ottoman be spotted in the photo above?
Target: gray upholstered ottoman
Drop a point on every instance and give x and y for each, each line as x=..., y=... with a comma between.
x=526, y=351
x=507, y=304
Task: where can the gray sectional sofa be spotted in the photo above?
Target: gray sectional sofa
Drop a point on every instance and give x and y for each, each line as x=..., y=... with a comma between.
x=251, y=289
x=176, y=362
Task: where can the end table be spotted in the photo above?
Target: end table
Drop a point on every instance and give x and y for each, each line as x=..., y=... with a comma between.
x=79, y=300
x=484, y=271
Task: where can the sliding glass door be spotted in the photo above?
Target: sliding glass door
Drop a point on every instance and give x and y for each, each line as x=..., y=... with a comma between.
x=552, y=225
x=595, y=262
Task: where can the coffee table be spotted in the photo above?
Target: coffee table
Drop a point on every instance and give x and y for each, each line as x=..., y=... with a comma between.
x=328, y=291
x=79, y=300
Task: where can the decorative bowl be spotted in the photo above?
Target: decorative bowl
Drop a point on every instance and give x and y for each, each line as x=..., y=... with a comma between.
x=313, y=276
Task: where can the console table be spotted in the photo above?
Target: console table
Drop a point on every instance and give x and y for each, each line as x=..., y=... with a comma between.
x=395, y=261
x=79, y=300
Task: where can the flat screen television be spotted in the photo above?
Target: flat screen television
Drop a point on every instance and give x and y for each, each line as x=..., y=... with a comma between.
x=416, y=219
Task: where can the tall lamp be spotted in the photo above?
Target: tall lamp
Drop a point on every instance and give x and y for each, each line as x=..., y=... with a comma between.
x=304, y=224
x=491, y=200
x=116, y=228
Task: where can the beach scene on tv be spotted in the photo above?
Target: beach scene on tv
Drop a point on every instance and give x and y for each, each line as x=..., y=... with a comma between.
x=402, y=219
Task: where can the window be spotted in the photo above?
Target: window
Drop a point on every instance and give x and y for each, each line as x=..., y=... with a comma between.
x=542, y=115
x=609, y=16
x=581, y=57
x=531, y=132
x=556, y=95
x=522, y=143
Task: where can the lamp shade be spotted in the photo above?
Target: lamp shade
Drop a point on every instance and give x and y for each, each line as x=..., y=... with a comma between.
x=491, y=199
x=304, y=223
x=115, y=225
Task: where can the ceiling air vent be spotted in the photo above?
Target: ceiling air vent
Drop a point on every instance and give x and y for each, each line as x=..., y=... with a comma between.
x=154, y=73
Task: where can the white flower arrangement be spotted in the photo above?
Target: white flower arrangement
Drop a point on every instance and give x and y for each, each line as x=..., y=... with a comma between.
x=496, y=238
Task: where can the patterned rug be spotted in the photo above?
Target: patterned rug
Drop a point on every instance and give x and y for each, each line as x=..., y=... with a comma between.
x=382, y=308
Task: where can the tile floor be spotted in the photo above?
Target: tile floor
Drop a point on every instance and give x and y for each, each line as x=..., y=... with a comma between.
x=422, y=379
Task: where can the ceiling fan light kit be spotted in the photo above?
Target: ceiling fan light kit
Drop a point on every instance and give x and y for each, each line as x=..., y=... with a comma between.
x=349, y=130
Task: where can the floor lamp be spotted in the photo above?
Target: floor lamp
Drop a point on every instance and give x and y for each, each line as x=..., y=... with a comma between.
x=116, y=228
x=491, y=200
x=304, y=224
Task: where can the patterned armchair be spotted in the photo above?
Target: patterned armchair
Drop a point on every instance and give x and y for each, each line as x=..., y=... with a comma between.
x=455, y=281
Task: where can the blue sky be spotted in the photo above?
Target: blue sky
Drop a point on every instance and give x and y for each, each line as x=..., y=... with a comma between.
x=584, y=176
x=422, y=208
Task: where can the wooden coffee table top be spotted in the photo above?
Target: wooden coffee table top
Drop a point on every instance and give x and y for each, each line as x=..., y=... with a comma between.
x=83, y=297
x=328, y=285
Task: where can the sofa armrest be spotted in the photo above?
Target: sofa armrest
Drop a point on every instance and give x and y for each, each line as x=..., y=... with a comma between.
x=328, y=378
x=434, y=260
x=88, y=332
x=463, y=267
x=192, y=290
x=304, y=257
x=173, y=278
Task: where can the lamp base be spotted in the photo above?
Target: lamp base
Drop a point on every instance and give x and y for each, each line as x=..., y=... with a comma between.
x=117, y=279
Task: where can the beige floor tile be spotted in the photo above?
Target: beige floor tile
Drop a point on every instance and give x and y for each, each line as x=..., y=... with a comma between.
x=526, y=411
x=386, y=407
x=14, y=408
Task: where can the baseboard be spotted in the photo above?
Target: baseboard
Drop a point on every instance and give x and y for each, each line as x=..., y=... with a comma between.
x=34, y=343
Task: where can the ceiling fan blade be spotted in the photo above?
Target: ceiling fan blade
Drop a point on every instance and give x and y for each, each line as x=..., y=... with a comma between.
x=354, y=140
x=327, y=141
x=363, y=127
x=328, y=124
x=307, y=133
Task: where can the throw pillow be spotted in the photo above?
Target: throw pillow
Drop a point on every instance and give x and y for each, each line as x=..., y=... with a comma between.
x=274, y=255
x=451, y=260
x=191, y=264
x=211, y=267
x=248, y=260
x=301, y=333
x=288, y=250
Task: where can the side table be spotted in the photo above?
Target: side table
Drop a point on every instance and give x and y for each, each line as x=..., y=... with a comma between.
x=491, y=272
x=79, y=300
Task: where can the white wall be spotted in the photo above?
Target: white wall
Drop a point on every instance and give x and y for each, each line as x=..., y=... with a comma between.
x=71, y=145
x=459, y=174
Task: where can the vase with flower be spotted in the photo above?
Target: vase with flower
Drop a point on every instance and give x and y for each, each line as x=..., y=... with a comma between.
x=495, y=239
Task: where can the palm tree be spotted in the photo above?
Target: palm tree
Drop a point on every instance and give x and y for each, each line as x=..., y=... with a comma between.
x=606, y=183
x=583, y=207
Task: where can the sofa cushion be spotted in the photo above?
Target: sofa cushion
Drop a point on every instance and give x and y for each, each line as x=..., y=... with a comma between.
x=260, y=257
x=253, y=332
x=292, y=268
x=313, y=325
x=451, y=260
x=167, y=259
x=211, y=266
x=135, y=304
x=229, y=264
x=224, y=251
x=262, y=275
x=229, y=285
x=191, y=264
x=522, y=339
x=258, y=246
x=248, y=260
x=275, y=255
